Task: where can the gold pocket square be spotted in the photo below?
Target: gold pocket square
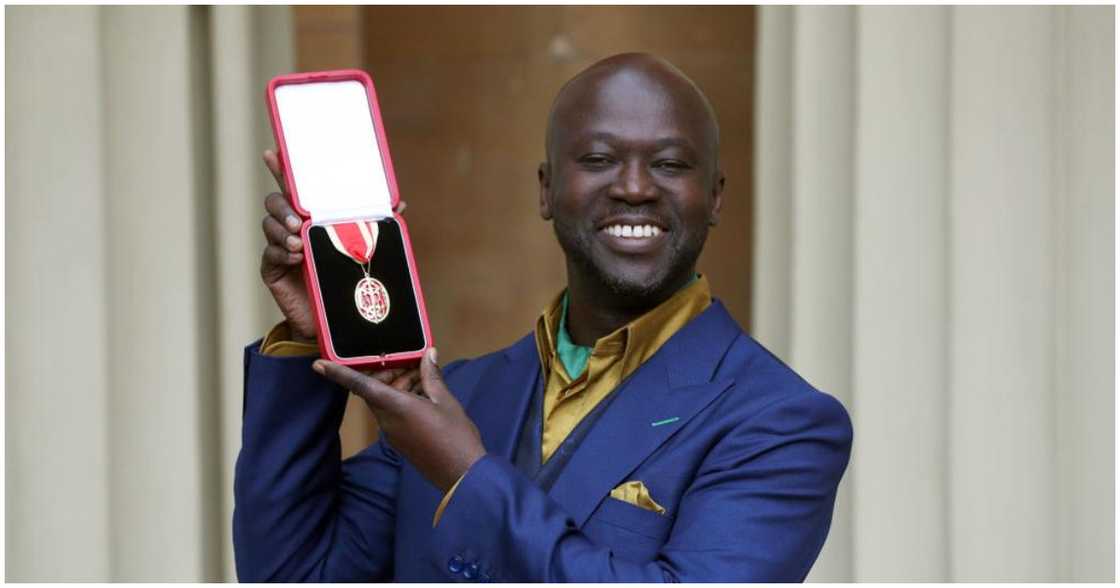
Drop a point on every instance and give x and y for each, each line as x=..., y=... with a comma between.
x=637, y=494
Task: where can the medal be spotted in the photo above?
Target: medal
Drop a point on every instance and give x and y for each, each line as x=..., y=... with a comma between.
x=358, y=241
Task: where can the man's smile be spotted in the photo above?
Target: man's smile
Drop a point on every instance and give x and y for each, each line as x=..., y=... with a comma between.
x=630, y=234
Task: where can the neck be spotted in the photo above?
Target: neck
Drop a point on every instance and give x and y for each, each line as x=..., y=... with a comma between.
x=595, y=310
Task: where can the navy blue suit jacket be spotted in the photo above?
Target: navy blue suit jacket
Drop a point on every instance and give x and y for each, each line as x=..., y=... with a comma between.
x=747, y=472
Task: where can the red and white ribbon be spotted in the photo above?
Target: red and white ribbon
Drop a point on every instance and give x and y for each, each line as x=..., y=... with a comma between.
x=354, y=240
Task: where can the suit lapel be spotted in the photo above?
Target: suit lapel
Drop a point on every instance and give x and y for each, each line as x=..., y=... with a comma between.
x=648, y=408
x=501, y=404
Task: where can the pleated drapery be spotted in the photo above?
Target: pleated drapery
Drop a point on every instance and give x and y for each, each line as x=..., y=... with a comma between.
x=134, y=189
x=935, y=216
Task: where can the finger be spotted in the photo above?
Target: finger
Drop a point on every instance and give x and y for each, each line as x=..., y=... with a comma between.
x=277, y=205
x=272, y=162
x=401, y=205
x=406, y=381
x=376, y=394
x=277, y=256
x=431, y=380
x=386, y=376
x=278, y=235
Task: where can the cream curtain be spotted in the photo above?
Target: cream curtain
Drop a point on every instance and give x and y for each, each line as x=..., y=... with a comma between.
x=935, y=247
x=133, y=193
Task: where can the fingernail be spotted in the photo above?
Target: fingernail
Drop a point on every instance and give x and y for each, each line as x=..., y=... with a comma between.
x=433, y=355
x=293, y=242
x=293, y=222
x=319, y=366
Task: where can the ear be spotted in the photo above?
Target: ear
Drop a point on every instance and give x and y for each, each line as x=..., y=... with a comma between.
x=544, y=178
x=717, y=198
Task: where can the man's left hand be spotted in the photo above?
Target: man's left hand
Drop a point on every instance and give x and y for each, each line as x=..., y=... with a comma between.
x=432, y=433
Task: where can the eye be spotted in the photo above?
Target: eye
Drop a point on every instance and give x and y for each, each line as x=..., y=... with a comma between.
x=595, y=160
x=673, y=166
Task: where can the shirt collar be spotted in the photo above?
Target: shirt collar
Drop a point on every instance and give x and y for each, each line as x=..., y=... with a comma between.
x=636, y=341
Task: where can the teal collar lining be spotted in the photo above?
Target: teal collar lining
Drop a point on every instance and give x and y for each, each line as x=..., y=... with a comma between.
x=573, y=357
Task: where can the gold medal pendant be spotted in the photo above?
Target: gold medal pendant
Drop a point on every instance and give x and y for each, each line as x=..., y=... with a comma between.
x=358, y=241
x=372, y=300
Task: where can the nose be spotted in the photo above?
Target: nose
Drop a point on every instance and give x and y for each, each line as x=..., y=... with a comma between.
x=634, y=183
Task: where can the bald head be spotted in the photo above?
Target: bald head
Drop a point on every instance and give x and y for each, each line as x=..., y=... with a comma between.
x=630, y=74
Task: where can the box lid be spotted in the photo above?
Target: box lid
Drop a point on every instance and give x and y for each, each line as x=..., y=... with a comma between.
x=331, y=140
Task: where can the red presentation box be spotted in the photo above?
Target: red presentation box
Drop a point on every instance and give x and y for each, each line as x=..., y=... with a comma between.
x=339, y=177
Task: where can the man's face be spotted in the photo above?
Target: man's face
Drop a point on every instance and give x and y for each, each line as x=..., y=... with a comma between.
x=632, y=183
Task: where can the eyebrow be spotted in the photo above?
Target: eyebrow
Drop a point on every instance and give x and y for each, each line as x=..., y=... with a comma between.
x=661, y=143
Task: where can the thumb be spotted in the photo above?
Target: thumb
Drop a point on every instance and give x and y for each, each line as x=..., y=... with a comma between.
x=431, y=379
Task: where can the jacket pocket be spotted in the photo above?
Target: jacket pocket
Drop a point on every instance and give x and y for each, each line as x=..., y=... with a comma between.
x=623, y=515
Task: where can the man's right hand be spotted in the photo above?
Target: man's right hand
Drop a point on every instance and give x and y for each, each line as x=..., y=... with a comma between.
x=283, y=254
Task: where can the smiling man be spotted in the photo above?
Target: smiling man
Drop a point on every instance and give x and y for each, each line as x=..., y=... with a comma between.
x=638, y=434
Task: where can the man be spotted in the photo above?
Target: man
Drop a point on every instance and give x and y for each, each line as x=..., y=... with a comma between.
x=638, y=434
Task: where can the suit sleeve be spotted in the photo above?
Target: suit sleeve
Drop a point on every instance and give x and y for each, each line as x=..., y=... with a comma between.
x=300, y=513
x=757, y=510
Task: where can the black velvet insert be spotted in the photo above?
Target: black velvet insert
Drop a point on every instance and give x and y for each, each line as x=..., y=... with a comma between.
x=338, y=275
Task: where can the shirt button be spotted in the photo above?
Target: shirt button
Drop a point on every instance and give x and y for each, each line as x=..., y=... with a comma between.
x=455, y=565
x=471, y=572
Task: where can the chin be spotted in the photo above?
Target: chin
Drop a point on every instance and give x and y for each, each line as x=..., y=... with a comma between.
x=633, y=283
x=640, y=287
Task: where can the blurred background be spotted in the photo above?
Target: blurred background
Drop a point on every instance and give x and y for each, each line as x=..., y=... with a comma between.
x=919, y=219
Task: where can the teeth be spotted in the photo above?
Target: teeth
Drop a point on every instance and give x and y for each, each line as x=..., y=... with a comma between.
x=633, y=231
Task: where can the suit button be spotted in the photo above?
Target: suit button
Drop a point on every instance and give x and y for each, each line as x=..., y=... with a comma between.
x=471, y=572
x=455, y=565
